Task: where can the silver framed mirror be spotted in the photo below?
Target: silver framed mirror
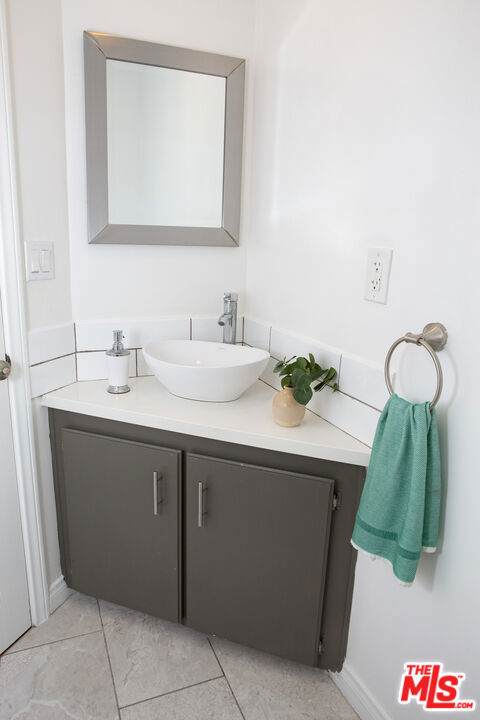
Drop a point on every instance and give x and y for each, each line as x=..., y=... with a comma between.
x=164, y=135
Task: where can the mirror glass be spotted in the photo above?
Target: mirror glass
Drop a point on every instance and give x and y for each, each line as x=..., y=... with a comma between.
x=166, y=137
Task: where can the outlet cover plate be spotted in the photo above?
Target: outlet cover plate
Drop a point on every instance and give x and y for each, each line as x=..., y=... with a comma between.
x=379, y=262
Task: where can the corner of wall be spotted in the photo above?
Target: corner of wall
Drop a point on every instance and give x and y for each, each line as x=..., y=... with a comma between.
x=358, y=695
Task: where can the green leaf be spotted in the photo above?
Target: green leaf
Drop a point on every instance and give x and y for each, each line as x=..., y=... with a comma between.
x=300, y=373
x=317, y=373
x=288, y=369
x=283, y=363
x=303, y=396
x=330, y=374
x=300, y=379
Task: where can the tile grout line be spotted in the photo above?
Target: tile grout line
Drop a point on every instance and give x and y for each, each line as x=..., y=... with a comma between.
x=226, y=679
x=108, y=659
x=339, y=428
x=51, y=642
x=172, y=692
x=56, y=387
x=75, y=343
x=99, y=350
x=6, y=651
x=339, y=370
x=57, y=357
x=352, y=397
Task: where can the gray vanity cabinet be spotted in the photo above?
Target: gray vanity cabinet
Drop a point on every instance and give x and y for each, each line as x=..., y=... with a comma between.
x=256, y=554
x=120, y=501
x=249, y=544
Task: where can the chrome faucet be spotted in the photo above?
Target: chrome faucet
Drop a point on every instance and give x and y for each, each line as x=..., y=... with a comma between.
x=228, y=319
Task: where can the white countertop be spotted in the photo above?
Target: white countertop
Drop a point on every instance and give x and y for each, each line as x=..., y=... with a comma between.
x=246, y=421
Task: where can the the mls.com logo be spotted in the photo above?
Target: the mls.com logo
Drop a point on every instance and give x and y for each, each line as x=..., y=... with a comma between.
x=430, y=686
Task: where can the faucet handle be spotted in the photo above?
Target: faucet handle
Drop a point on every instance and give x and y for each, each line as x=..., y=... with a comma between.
x=230, y=296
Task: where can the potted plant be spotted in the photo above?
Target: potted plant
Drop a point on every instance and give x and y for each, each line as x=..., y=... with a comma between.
x=298, y=374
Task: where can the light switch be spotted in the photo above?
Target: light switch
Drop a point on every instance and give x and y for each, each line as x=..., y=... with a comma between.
x=34, y=262
x=39, y=260
x=45, y=261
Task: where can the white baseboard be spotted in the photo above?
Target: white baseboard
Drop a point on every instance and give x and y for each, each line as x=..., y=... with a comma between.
x=358, y=695
x=58, y=593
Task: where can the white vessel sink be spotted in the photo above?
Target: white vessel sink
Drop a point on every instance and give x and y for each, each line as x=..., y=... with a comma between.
x=200, y=370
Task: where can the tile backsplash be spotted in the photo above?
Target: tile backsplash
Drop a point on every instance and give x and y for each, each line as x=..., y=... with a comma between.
x=53, y=374
x=364, y=381
x=207, y=328
x=355, y=408
x=142, y=368
x=284, y=344
x=98, y=335
x=256, y=334
x=63, y=354
x=93, y=365
x=50, y=343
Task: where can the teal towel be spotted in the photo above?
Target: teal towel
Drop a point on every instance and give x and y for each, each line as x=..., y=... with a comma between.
x=400, y=506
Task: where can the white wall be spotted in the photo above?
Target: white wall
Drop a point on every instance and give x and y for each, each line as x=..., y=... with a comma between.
x=133, y=281
x=366, y=118
x=35, y=38
x=365, y=125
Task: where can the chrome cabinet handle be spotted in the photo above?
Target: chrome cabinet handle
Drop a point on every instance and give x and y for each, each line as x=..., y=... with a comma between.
x=156, y=499
x=201, y=513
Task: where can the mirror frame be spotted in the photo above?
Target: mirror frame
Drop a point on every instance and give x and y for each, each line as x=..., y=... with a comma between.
x=100, y=47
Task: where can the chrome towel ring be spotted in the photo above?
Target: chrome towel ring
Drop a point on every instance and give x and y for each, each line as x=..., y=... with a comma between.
x=433, y=339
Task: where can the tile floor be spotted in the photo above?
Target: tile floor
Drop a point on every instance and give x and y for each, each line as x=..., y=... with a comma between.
x=96, y=661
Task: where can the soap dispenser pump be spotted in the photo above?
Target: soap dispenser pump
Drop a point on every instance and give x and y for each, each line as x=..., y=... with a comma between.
x=118, y=361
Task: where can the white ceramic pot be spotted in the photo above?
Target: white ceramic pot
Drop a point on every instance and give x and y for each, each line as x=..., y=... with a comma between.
x=286, y=410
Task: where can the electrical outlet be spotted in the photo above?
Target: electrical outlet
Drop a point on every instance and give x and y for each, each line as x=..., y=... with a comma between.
x=378, y=273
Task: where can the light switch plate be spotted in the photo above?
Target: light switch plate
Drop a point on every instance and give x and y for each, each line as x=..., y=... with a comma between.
x=39, y=260
x=379, y=262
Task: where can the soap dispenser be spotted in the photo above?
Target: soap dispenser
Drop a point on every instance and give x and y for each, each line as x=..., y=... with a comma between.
x=118, y=361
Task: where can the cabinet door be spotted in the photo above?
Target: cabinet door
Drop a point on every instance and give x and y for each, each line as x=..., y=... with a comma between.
x=256, y=552
x=120, y=510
